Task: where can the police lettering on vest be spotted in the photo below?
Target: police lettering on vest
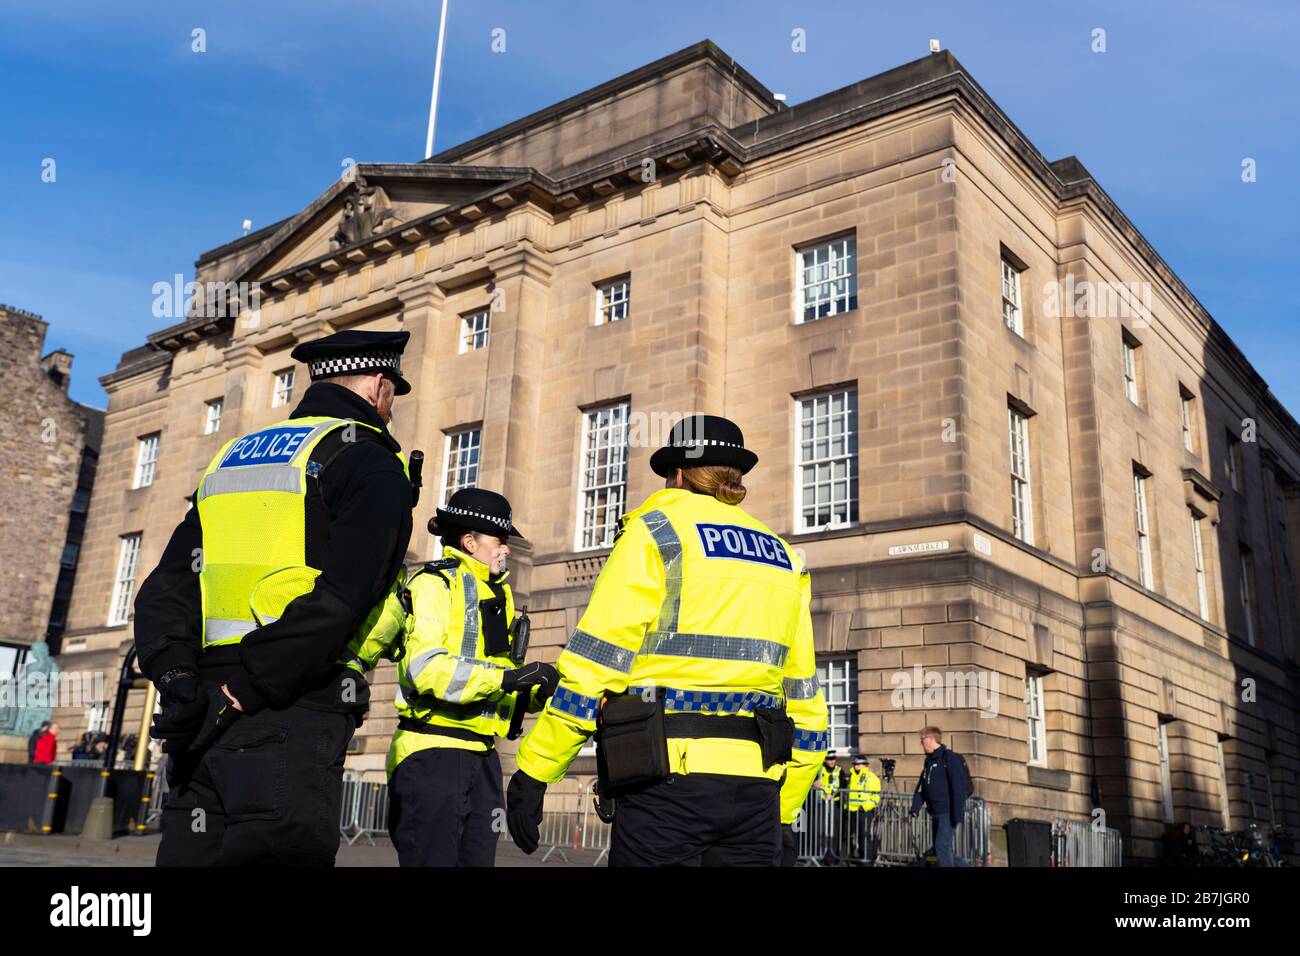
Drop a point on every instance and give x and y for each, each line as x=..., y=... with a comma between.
x=742, y=544
x=274, y=446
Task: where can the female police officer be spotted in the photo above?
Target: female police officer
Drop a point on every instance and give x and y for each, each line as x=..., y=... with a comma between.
x=460, y=680
x=695, y=658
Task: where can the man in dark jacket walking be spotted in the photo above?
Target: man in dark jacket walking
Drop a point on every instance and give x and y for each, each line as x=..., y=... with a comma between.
x=297, y=531
x=943, y=789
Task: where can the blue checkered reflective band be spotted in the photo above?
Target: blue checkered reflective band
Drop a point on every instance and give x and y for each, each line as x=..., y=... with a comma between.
x=812, y=739
x=578, y=705
x=743, y=544
x=274, y=446
x=711, y=701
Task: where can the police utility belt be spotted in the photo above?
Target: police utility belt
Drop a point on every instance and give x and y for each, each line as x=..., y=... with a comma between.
x=633, y=730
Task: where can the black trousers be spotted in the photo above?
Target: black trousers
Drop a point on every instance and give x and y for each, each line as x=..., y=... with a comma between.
x=441, y=804
x=267, y=793
x=699, y=819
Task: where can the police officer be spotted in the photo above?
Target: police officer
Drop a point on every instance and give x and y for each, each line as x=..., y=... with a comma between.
x=828, y=786
x=696, y=654
x=461, y=683
x=864, y=796
x=296, y=531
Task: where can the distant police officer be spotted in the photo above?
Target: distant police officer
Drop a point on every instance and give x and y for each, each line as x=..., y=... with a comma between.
x=827, y=814
x=864, y=797
x=695, y=659
x=296, y=532
x=461, y=683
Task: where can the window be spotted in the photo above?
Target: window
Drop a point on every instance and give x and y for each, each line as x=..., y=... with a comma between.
x=12, y=658
x=97, y=718
x=1131, y=347
x=828, y=281
x=1185, y=400
x=1022, y=504
x=146, y=460
x=1198, y=558
x=602, y=489
x=81, y=501
x=1223, y=790
x=1166, y=780
x=212, y=421
x=1246, y=582
x=1034, y=714
x=1235, y=463
x=69, y=557
x=1143, y=529
x=613, y=298
x=460, y=461
x=282, y=394
x=474, y=330
x=826, y=470
x=839, y=682
x=1012, y=317
x=124, y=584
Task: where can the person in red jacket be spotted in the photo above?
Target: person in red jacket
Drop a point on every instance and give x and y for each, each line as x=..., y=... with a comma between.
x=47, y=745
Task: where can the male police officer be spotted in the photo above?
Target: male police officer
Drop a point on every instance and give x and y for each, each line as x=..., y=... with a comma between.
x=695, y=652
x=461, y=682
x=864, y=796
x=296, y=532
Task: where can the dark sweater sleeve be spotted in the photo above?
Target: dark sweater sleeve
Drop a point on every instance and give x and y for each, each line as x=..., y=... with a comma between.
x=369, y=502
x=167, y=607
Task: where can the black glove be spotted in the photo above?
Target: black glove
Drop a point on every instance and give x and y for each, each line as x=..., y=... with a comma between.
x=183, y=708
x=524, y=810
x=536, y=674
x=221, y=713
x=789, y=845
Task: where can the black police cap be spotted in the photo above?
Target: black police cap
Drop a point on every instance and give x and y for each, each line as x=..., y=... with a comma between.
x=476, y=509
x=352, y=352
x=703, y=440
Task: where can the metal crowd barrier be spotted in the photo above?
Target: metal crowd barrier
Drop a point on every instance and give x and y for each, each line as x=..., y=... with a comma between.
x=829, y=834
x=364, y=812
x=1075, y=843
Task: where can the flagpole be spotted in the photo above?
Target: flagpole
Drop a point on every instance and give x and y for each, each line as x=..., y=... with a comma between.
x=437, y=75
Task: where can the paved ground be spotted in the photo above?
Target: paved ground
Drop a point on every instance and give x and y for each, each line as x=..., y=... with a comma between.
x=21, y=849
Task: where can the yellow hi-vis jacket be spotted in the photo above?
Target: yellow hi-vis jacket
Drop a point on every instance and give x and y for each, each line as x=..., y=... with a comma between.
x=252, y=503
x=828, y=782
x=445, y=677
x=702, y=601
x=864, y=789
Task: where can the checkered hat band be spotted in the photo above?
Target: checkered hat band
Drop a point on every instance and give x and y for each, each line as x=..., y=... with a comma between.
x=361, y=361
x=704, y=441
x=465, y=512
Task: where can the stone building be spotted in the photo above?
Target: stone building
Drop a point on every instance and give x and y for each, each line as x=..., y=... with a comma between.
x=48, y=446
x=1048, y=503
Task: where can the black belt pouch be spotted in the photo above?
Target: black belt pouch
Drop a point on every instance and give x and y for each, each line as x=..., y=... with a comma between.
x=775, y=735
x=632, y=744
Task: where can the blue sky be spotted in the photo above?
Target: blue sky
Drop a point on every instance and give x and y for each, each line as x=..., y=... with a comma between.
x=162, y=152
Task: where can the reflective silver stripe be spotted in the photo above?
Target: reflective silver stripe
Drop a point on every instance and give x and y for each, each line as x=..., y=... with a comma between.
x=601, y=652
x=420, y=662
x=252, y=478
x=715, y=647
x=222, y=628
x=469, y=638
x=805, y=688
x=670, y=550
x=459, y=679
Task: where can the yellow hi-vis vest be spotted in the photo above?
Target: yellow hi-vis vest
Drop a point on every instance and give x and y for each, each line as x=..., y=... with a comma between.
x=445, y=677
x=252, y=503
x=828, y=780
x=705, y=603
x=864, y=789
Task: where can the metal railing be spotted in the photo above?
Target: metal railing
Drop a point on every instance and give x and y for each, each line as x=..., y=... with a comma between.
x=364, y=812
x=570, y=822
x=830, y=834
x=1077, y=843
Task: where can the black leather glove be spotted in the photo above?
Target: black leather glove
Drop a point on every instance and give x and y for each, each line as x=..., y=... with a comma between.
x=183, y=708
x=524, y=810
x=789, y=845
x=535, y=674
x=221, y=713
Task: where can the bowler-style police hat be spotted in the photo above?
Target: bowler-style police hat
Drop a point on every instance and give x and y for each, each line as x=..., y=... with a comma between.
x=859, y=761
x=703, y=440
x=476, y=509
x=352, y=352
